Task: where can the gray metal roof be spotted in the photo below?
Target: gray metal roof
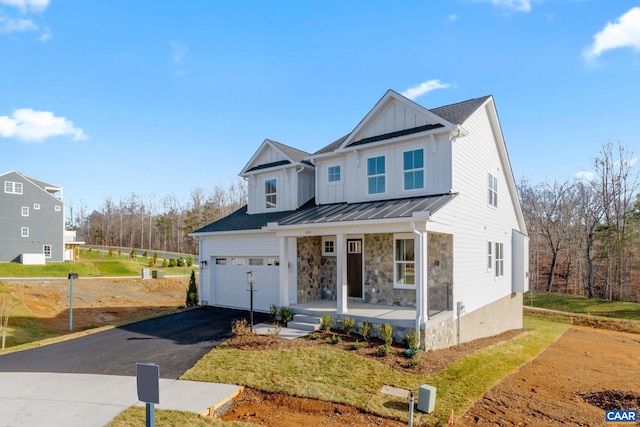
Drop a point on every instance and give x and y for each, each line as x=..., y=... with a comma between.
x=383, y=209
x=309, y=213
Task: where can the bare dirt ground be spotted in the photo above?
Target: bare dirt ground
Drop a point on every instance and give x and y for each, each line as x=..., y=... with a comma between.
x=98, y=302
x=571, y=383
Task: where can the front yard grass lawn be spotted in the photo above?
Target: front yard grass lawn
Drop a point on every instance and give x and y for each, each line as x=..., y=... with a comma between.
x=336, y=375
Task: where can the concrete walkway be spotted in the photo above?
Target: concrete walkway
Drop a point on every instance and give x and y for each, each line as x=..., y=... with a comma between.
x=86, y=400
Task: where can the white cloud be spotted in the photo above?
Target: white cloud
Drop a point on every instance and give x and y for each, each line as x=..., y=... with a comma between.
x=35, y=126
x=452, y=17
x=518, y=5
x=625, y=32
x=417, y=91
x=585, y=175
x=8, y=25
x=27, y=5
x=46, y=34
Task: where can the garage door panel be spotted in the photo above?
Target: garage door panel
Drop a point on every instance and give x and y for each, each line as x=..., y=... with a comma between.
x=230, y=284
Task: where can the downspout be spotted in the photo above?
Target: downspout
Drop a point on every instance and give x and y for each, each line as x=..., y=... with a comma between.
x=420, y=287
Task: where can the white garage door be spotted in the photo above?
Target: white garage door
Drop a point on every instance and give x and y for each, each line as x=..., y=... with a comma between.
x=230, y=285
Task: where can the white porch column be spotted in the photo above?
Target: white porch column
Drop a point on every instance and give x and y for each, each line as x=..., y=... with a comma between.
x=421, y=278
x=284, y=271
x=341, y=273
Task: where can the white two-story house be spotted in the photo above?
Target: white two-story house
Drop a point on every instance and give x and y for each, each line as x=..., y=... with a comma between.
x=410, y=219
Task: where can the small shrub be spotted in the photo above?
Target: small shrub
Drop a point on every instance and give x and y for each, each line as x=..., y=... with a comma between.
x=145, y=254
x=410, y=352
x=180, y=262
x=384, y=350
x=275, y=331
x=273, y=312
x=366, y=330
x=150, y=263
x=412, y=340
x=356, y=345
x=155, y=257
x=119, y=252
x=413, y=363
x=348, y=324
x=313, y=336
x=241, y=328
x=334, y=339
x=286, y=315
x=189, y=261
x=386, y=333
x=111, y=253
x=133, y=254
x=325, y=323
x=192, y=291
x=165, y=264
x=173, y=262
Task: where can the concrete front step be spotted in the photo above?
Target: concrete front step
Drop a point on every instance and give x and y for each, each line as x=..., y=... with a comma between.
x=305, y=322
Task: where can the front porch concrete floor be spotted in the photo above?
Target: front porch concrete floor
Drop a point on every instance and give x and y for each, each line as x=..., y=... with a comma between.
x=375, y=313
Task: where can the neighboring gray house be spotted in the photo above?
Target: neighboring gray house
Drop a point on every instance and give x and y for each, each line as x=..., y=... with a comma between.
x=31, y=220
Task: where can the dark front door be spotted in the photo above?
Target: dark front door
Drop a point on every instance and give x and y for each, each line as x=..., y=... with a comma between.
x=354, y=268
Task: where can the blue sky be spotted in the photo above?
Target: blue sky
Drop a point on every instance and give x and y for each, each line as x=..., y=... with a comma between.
x=109, y=98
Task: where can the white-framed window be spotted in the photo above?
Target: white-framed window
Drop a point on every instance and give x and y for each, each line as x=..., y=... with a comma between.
x=273, y=262
x=328, y=246
x=221, y=261
x=270, y=193
x=413, y=167
x=492, y=198
x=499, y=259
x=354, y=246
x=256, y=261
x=46, y=250
x=12, y=187
x=376, y=175
x=24, y=231
x=36, y=206
x=334, y=173
x=404, y=263
x=237, y=261
x=58, y=208
x=25, y=211
x=489, y=256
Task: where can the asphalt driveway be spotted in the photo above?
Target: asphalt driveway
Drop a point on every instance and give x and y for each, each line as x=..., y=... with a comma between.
x=175, y=343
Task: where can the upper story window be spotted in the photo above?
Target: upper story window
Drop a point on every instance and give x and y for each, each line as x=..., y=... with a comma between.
x=499, y=259
x=489, y=256
x=46, y=250
x=25, y=211
x=376, y=175
x=36, y=206
x=58, y=208
x=334, y=173
x=270, y=187
x=493, y=191
x=13, y=187
x=404, y=261
x=24, y=232
x=413, y=166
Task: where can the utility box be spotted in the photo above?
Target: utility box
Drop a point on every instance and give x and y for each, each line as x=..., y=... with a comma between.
x=426, y=398
x=146, y=273
x=158, y=274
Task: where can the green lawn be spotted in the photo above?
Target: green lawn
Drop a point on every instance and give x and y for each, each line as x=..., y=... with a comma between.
x=336, y=375
x=582, y=305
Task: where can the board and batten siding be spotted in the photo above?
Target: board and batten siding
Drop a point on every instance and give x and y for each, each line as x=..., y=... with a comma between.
x=476, y=223
x=286, y=190
x=354, y=185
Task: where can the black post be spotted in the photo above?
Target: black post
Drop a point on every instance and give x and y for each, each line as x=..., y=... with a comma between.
x=251, y=306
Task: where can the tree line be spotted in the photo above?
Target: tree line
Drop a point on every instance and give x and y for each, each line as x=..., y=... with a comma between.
x=149, y=222
x=585, y=232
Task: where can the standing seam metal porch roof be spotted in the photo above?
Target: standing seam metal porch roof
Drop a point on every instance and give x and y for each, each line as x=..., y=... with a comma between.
x=383, y=209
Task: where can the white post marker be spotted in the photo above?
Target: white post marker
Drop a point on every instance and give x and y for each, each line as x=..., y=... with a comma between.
x=148, y=383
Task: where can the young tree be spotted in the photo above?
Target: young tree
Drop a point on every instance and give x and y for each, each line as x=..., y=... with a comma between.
x=192, y=291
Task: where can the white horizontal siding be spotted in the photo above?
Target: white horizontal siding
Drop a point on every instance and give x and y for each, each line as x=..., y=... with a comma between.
x=476, y=223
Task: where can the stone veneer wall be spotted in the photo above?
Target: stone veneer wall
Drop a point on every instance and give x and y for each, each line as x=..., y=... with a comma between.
x=439, y=270
x=378, y=273
x=309, y=262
